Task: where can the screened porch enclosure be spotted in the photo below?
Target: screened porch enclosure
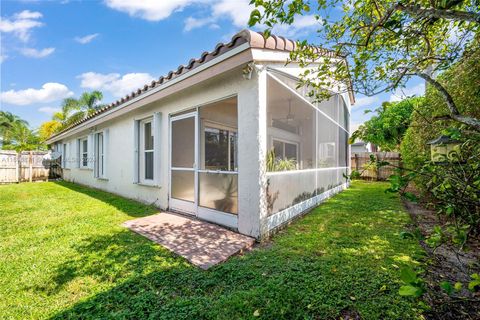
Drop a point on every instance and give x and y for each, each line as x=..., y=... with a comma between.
x=307, y=148
x=279, y=169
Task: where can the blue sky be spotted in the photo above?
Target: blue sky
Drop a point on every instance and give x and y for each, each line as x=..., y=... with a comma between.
x=51, y=50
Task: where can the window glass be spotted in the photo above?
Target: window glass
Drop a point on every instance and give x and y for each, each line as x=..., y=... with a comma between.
x=233, y=151
x=218, y=139
x=290, y=151
x=219, y=148
x=100, y=153
x=64, y=155
x=149, y=165
x=148, y=136
x=278, y=149
x=84, y=153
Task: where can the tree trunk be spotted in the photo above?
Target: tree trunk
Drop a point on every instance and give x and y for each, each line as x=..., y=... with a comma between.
x=452, y=107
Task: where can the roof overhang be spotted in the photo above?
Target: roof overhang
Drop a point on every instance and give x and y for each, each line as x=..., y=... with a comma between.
x=225, y=62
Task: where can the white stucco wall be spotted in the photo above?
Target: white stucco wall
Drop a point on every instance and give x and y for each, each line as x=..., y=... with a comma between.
x=120, y=169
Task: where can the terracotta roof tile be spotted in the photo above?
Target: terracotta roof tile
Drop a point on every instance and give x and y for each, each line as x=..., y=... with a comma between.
x=255, y=40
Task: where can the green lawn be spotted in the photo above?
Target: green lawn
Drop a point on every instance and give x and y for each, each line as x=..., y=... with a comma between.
x=63, y=254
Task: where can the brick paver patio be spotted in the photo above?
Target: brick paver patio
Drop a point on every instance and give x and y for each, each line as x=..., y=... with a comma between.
x=202, y=243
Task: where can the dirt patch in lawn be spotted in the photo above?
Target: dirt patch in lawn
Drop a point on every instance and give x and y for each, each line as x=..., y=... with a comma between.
x=349, y=314
x=447, y=263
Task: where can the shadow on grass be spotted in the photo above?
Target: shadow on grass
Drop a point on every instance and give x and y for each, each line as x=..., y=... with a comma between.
x=317, y=268
x=108, y=259
x=130, y=207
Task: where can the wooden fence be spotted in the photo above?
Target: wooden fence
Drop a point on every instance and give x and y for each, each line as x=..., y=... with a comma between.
x=23, y=166
x=361, y=162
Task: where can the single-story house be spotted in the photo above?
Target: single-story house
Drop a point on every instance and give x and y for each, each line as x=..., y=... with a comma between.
x=228, y=138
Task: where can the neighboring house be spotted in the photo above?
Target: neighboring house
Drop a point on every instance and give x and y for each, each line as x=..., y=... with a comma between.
x=361, y=146
x=197, y=140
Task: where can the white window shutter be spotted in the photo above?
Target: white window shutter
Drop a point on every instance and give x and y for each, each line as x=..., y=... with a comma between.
x=70, y=154
x=62, y=152
x=77, y=153
x=66, y=165
x=106, y=139
x=90, y=151
x=157, y=135
x=136, y=135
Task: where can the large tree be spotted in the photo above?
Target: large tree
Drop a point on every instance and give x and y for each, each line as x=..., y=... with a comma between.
x=385, y=42
x=388, y=127
x=15, y=133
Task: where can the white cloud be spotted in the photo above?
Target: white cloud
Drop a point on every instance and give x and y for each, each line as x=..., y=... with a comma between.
x=238, y=11
x=21, y=24
x=86, y=39
x=151, y=10
x=3, y=57
x=114, y=83
x=26, y=14
x=193, y=23
x=402, y=93
x=300, y=26
x=49, y=92
x=49, y=110
x=35, y=53
x=365, y=101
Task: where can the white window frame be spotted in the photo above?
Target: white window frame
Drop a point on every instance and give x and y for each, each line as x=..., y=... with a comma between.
x=142, y=151
x=83, y=152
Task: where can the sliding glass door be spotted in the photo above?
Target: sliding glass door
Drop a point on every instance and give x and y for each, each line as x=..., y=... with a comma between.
x=203, y=162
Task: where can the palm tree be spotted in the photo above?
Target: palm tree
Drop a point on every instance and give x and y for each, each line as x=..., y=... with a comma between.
x=74, y=110
x=22, y=138
x=9, y=121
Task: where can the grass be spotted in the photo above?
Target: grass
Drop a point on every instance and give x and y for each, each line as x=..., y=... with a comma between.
x=63, y=254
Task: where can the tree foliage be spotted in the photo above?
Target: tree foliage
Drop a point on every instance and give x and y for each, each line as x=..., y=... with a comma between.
x=8, y=121
x=72, y=110
x=48, y=128
x=384, y=42
x=463, y=80
x=16, y=134
x=389, y=126
x=454, y=187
